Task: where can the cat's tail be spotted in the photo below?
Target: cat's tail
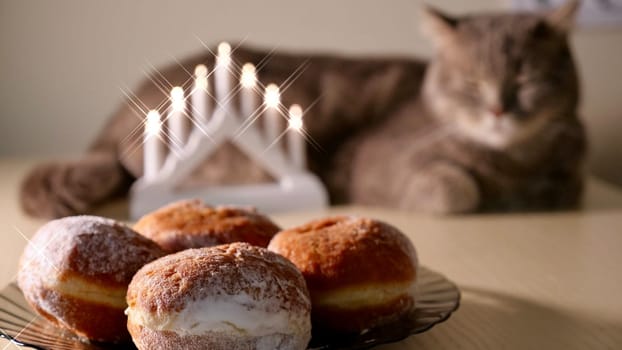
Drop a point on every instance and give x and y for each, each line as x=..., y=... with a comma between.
x=58, y=189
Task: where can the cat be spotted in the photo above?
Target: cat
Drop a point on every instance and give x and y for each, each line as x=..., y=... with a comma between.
x=489, y=124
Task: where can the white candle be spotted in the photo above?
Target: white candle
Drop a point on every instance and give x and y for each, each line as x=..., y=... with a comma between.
x=177, y=122
x=272, y=100
x=295, y=138
x=200, y=110
x=221, y=75
x=154, y=148
x=248, y=80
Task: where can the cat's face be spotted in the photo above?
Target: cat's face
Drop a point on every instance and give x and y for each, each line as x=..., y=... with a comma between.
x=501, y=78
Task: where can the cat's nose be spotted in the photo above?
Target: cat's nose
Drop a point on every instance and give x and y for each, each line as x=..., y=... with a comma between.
x=497, y=111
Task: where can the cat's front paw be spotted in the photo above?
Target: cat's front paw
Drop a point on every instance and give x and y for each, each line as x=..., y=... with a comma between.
x=441, y=188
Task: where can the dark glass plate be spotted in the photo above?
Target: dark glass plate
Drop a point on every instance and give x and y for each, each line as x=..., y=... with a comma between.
x=437, y=298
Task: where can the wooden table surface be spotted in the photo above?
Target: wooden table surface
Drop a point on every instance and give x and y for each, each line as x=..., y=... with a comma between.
x=539, y=281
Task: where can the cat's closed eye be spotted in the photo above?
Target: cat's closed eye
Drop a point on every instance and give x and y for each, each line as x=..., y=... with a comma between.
x=533, y=90
x=469, y=89
x=470, y=82
x=524, y=79
x=528, y=75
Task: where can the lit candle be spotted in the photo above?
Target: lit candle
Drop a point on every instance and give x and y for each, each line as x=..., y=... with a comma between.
x=249, y=97
x=199, y=95
x=272, y=100
x=295, y=138
x=153, y=152
x=221, y=75
x=177, y=121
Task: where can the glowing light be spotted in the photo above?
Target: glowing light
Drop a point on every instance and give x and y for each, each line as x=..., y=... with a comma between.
x=200, y=71
x=224, y=49
x=222, y=75
x=200, y=74
x=152, y=126
x=177, y=98
x=295, y=138
x=224, y=54
x=295, y=117
x=272, y=96
x=249, y=77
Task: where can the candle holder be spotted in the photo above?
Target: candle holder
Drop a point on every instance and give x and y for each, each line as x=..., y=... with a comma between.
x=295, y=188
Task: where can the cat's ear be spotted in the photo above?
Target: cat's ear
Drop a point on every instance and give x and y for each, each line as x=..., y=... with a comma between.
x=440, y=27
x=563, y=17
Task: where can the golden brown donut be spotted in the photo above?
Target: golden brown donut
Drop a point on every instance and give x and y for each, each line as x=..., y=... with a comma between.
x=360, y=272
x=232, y=296
x=75, y=272
x=193, y=224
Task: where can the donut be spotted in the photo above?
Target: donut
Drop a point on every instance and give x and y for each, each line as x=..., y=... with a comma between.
x=194, y=224
x=75, y=272
x=232, y=296
x=360, y=272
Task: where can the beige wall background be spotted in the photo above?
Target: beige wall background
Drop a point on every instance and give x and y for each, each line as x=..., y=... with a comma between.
x=63, y=62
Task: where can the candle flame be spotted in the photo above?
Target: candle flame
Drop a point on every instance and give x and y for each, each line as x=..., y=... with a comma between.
x=177, y=98
x=272, y=96
x=152, y=126
x=224, y=49
x=249, y=77
x=200, y=80
x=295, y=117
x=200, y=71
x=224, y=54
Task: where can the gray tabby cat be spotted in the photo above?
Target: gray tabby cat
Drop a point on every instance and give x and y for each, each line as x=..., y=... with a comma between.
x=490, y=124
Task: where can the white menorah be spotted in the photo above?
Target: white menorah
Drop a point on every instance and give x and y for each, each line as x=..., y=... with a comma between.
x=295, y=188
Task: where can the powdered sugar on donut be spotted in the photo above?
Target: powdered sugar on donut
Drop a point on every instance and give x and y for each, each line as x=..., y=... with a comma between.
x=89, y=246
x=99, y=255
x=195, y=274
x=235, y=288
x=193, y=224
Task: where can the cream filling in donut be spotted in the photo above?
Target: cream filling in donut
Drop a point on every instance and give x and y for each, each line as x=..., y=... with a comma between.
x=80, y=289
x=364, y=296
x=238, y=314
